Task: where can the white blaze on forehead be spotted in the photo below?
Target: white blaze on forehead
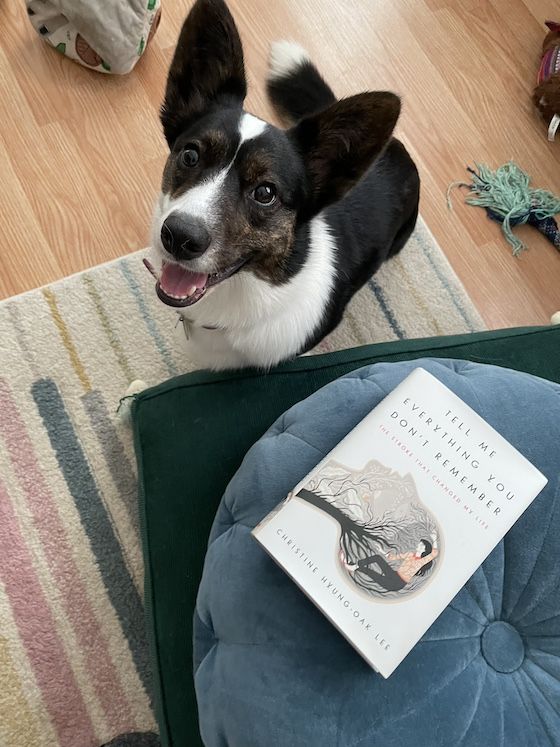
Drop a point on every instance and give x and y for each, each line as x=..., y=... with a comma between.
x=250, y=127
x=204, y=199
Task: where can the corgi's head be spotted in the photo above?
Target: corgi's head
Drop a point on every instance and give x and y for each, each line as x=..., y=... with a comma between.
x=236, y=189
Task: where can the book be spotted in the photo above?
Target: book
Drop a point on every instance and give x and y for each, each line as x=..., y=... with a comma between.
x=391, y=524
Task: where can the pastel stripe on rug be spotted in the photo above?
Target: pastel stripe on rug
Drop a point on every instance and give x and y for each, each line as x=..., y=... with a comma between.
x=23, y=717
x=73, y=652
x=42, y=505
x=83, y=633
x=142, y=717
x=117, y=458
x=95, y=520
x=38, y=630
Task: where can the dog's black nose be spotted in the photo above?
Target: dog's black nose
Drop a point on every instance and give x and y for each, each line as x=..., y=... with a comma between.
x=184, y=236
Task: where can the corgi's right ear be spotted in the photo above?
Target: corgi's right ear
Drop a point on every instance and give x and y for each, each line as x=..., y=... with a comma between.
x=207, y=67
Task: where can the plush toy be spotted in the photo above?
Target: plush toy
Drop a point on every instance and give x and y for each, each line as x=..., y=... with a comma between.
x=547, y=91
x=117, y=31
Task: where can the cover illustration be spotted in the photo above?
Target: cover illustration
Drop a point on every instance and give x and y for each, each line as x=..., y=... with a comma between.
x=389, y=541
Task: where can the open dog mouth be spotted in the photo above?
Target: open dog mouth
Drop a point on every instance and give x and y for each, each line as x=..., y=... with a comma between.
x=176, y=286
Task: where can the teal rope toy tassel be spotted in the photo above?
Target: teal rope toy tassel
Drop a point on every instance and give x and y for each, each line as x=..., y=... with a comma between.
x=508, y=199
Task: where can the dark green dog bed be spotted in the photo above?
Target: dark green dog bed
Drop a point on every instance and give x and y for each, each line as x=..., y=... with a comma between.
x=191, y=436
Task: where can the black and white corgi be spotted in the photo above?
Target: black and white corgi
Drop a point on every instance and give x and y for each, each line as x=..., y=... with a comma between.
x=265, y=234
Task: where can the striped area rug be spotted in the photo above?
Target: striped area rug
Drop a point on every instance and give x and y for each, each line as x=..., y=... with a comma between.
x=74, y=664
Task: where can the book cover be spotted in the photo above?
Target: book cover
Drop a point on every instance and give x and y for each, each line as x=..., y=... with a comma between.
x=386, y=530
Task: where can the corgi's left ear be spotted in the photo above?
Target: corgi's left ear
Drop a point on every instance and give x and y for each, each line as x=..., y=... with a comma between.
x=341, y=142
x=207, y=67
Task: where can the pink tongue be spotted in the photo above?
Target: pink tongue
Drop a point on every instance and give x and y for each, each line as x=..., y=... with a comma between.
x=179, y=282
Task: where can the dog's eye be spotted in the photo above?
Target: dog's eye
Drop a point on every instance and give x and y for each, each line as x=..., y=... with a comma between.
x=190, y=156
x=264, y=194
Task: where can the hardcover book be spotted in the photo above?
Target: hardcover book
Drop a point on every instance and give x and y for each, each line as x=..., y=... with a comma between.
x=386, y=530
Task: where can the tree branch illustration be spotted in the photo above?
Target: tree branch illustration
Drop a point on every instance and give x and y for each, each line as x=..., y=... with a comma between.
x=355, y=535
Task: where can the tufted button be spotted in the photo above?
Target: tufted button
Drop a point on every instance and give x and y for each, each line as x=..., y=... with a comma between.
x=502, y=647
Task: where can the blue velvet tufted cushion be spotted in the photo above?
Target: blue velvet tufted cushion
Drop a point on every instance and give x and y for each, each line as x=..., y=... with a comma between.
x=271, y=671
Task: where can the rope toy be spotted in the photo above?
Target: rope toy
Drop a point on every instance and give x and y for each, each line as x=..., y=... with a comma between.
x=508, y=199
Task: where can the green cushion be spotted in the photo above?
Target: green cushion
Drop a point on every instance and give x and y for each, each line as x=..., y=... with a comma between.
x=191, y=435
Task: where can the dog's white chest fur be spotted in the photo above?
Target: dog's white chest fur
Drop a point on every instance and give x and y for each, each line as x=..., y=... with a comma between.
x=255, y=323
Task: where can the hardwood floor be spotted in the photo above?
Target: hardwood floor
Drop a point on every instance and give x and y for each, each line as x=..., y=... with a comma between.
x=81, y=153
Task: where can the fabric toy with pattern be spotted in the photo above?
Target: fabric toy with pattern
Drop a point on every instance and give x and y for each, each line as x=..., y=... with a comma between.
x=547, y=91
